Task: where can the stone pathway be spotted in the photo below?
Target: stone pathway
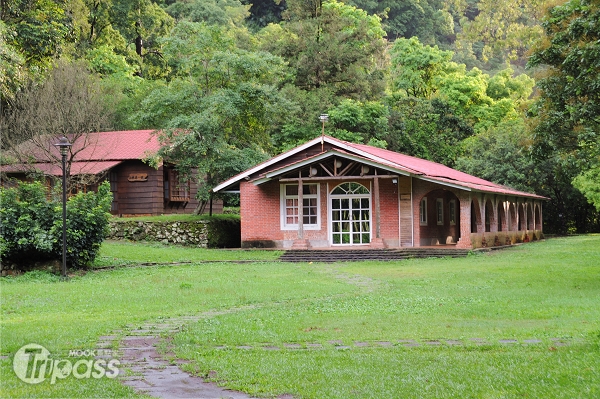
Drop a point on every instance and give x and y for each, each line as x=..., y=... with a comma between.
x=147, y=371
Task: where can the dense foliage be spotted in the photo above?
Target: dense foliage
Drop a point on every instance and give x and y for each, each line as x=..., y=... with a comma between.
x=32, y=225
x=230, y=82
x=566, y=116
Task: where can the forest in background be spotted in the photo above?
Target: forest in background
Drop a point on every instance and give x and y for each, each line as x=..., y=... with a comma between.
x=508, y=91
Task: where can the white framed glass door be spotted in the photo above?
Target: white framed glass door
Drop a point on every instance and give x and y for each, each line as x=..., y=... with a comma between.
x=350, y=214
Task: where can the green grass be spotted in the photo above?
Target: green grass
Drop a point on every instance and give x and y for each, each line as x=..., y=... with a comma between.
x=115, y=253
x=542, y=290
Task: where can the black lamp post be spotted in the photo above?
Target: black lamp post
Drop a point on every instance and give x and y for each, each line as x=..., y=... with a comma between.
x=64, y=145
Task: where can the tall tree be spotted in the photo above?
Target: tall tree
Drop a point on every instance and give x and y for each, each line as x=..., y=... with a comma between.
x=12, y=72
x=428, y=129
x=331, y=45
x=566, y=115
x=502, y=30
x=429, y=20
x=264, y=12
x=416, y=67
x=43, y=28
x=220, y=100
x=213, y=12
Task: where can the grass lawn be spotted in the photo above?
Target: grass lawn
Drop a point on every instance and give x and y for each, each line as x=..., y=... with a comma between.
x=118, y=253
x=543, y=291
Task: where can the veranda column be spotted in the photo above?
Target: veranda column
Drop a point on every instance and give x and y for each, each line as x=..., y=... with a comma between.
x=465, y=220
x=377, y=242
x=377, y=207
x=300, y=210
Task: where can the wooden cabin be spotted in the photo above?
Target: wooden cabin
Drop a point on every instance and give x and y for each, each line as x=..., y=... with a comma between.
x=121, y=157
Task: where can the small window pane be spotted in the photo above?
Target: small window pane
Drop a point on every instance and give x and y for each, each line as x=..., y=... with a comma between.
x=309, y=189
x=291, y=189
x=310, y=219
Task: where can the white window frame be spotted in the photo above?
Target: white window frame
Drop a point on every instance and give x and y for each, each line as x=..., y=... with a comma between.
x=423, y=211
x=439, y=211
x=452, y=212
x=283, y=207
x=331, y=197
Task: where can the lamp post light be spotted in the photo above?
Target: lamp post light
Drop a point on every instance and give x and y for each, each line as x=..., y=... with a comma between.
x=63, y=146
x=323, y=118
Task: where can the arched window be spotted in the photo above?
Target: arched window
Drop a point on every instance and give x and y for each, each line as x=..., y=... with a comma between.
x=350, y=188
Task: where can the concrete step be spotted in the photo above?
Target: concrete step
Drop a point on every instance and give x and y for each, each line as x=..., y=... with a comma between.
x=349, y=255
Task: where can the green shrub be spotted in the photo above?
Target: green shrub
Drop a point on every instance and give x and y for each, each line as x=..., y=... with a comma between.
x=224, y=231
x=31, y=225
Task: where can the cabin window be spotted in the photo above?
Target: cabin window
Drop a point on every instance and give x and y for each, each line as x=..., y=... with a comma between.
x=175, y=188
x=439, y=205
x=423, y=212
x=310, y=206
x=452, y=212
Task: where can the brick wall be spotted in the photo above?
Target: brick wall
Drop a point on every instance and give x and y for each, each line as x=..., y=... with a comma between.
x=389, y=217
x=259, y=215
x=261, y=225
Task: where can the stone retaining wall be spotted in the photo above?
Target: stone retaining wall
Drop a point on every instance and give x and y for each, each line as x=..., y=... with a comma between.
x=182, y=233
x=211, y=233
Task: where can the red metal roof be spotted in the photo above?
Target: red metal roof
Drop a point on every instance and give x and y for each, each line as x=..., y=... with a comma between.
x=53, y=169
x=416, y=167
x=437, y=172
x=93, y=152
x=120, y=145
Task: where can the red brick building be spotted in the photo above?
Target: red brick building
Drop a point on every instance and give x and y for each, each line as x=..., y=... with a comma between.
x=359, y=195
x=138, y=188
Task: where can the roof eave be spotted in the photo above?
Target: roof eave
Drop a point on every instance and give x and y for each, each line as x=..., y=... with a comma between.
x=257, y=168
